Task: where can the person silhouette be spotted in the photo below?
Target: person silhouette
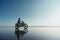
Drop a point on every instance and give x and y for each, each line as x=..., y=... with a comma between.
x=18, y=21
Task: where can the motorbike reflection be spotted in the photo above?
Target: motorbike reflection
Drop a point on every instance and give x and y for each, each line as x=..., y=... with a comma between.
x=20, y=33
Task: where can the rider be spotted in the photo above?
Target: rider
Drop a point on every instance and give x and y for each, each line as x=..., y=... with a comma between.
x=18, y=21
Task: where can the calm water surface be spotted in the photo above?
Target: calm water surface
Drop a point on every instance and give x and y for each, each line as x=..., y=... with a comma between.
x=32, y=33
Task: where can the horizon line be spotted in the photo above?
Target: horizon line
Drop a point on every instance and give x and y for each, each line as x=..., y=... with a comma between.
x=37, y=26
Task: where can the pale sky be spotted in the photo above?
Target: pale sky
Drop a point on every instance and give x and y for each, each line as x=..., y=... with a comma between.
x=47, y=13
x=33, y=12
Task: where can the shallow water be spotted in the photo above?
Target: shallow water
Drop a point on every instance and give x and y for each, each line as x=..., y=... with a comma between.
x=32, y=33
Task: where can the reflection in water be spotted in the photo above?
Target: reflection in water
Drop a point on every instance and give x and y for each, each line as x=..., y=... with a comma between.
x=20, y=33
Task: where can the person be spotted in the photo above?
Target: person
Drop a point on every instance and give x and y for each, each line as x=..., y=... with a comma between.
x=18, y=21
